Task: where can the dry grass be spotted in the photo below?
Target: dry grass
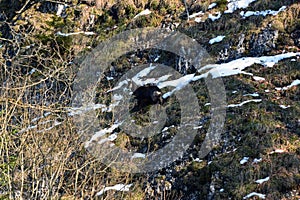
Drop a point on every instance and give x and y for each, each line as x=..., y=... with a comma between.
x=42, y=154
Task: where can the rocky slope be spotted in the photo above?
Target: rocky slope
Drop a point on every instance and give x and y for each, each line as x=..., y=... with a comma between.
x=43, y=44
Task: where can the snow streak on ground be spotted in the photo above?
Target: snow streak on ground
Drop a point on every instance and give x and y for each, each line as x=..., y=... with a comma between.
x=262, y=13
x=252, y=95
x=294, y=83
x=260, y=181
x=138, y=155
x=257, y=78
x=75, y=33
x=278, y=151
x=234, y=5
x=244, y=160
x=237, y=66
x=144, y=12
x=216, y=39
x=60, y=9
x=196, y=14
x=216, y=70
x=118, y=187
x=252, y=194
x=256, y=160
x=284, y=106
x=212, y=5
x=214, y=17
x=243, y=103
x=102, y=133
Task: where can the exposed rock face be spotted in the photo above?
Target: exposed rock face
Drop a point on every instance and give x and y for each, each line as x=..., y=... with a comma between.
x=46, y=62
x=240, y=46
x=229, y=53
x=9, y=8
x=48, y=7
x=258, y=45
x=296, y=38
x=263, y=42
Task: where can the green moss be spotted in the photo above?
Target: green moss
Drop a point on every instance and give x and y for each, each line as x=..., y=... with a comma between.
x=122, y=140
x=64, y=42
x=130, y=11
x=222, y=4
x=56, y=22
x=151, y=20
x=5, y=170
x=154, y=5
x=197, y=165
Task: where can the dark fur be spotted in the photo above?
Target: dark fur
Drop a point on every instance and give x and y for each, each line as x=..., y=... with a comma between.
x=147, y=95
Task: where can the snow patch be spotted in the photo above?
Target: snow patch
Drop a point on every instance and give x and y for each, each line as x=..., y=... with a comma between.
x=284, y=106
x=101, y=133
x=257, y=78
x=76, y=33
x=60, y=9
x=167, y=128
x=253, y=95
x=243, y=103
x=118, y=187
x=198, y=19
x=120, y=84
x=144, y=12
x=178, y=84
x=262, y=196
x=214, y=17
x=244, y=160
x=256, y=160
x=137, y=78
x=56, y=123
x=196, y=14
x=260, y=181
x=225, y=69
x=278, y=151
x=110, y=138
x=138, y=155
x=198, y=160
x=211, y=6
x=197, y=127
x=216, y=39
x=294, y=83
x=234, y=5
x=236, y=66
x=86, y=108
x=262, y=13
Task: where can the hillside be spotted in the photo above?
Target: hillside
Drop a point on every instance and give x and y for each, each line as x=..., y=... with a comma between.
x=228, y=126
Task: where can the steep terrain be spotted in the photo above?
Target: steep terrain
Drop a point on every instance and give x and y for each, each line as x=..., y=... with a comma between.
x=254, y=45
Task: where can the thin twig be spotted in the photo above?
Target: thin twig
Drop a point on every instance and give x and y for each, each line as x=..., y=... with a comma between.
x=187, y=11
